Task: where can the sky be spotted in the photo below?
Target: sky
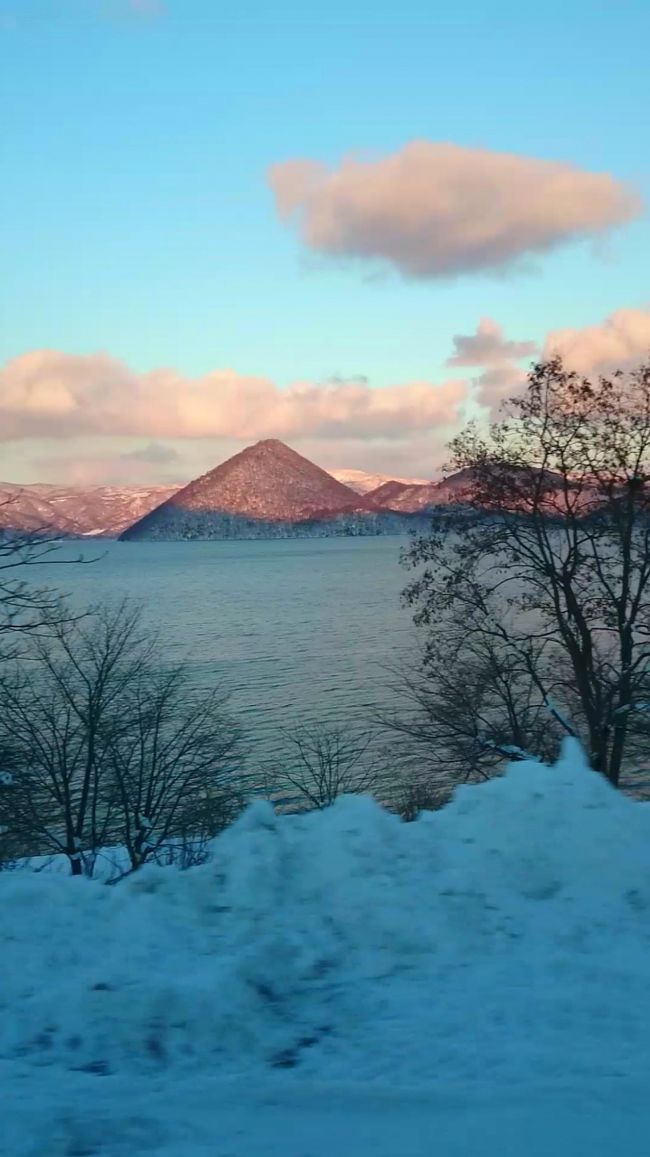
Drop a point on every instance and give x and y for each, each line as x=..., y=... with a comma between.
x=347, y=225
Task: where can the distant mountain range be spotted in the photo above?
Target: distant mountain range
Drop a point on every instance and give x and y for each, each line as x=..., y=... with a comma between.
x=411, y=497
x=363, y=483
x=267, y=490
x=77, y=512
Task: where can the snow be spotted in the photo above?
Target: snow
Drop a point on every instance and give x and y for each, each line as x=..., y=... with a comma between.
x=363, y=482
x=475, y=982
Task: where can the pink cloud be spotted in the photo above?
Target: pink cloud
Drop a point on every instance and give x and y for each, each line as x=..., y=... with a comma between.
x=436, y=210
x=498, y=384
x=49, y=394
x=620, y=341
x=94, y=461
x=487, y=346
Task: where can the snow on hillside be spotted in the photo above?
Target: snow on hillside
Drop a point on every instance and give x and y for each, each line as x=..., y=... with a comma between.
x=363, y=483
x=75, y=510
x=473, y=983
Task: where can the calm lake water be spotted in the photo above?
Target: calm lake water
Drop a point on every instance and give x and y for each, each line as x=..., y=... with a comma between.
x=298, y=630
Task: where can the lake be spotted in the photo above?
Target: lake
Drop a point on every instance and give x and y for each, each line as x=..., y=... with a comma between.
x=298, y=630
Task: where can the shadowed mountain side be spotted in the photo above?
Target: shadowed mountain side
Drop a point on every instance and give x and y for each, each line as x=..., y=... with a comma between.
x=181, y=524
x=463, y=488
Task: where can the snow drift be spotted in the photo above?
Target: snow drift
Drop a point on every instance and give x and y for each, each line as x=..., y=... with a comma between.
x=503, y=942
x=509, y=931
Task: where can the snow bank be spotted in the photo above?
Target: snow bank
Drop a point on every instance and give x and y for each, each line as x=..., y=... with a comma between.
x=502, y=941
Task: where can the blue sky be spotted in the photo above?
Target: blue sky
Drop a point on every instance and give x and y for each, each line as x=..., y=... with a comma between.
x=136, y=216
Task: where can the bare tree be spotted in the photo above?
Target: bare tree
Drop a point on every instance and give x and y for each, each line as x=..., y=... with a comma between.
x=10, y=846
x=57, y=705
x=536, y=600
x=26, y=605
x=106, y=749
x=174, y=761
x=464, y=706
x=322, y=762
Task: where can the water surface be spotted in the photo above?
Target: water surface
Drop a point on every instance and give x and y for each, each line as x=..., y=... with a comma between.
x=298, y=630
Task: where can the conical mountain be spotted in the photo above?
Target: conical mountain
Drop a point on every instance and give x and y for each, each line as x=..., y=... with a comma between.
x=268, y=483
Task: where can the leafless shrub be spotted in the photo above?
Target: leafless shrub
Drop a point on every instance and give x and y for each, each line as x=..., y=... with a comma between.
x=27, y=605
x=322, y=762
x=410, y=800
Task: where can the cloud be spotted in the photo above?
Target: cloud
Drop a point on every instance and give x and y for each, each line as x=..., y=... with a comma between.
x=94, y=461
x=94, y=469
x=439, y=210
x=487, y=346
x=499, y=383
x=154, y=454
x=499, y=356
x=49, y=394
x=91, y=419
x=621, y=341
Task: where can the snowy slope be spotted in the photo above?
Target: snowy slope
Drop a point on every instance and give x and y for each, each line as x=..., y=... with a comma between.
x=75, y=510
x=363, y=482
x=341, y=982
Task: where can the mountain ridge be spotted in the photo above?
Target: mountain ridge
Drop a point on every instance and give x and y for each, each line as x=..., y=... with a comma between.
x=75, y=511
x=266, y=490
x=364, y=482
x=267, y=483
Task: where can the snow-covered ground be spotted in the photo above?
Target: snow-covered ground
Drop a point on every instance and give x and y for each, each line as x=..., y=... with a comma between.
x=340, y=983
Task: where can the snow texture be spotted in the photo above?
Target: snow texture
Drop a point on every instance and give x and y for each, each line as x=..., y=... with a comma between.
x=341, y=981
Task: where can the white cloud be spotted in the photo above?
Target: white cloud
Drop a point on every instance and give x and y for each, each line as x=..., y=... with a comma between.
x=436, y=210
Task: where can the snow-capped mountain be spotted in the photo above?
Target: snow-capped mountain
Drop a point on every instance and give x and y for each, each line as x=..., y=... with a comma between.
x=267, y=490
x=406, y=496
x=363, y=482
x=77, y=511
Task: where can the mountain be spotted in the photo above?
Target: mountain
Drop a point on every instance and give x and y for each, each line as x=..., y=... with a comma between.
x=266, y=491
x=267, y=487
x=455, y=487
x=460, y=488
x=402, y=496
x=413, y=498
x=363, y=483
x=76, y=511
